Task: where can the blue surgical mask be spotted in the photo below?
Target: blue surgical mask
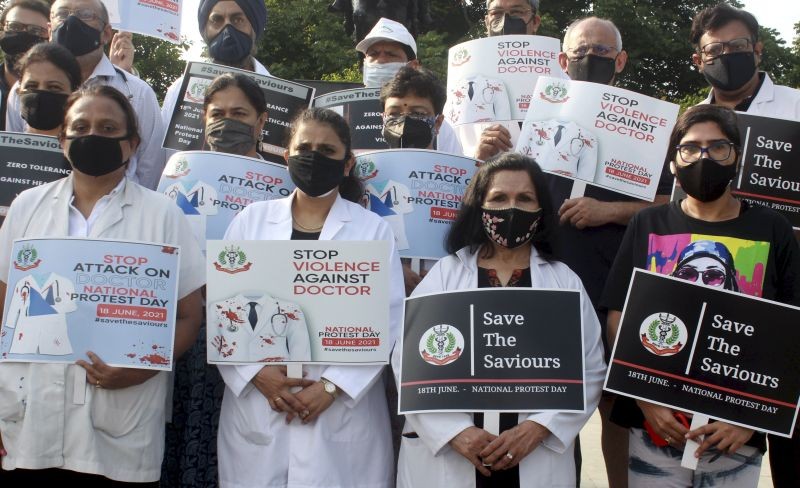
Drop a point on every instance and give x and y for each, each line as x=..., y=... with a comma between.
x=376, y=75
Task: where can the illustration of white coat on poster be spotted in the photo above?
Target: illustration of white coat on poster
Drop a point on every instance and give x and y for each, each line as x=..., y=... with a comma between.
x=37, y=315
x=562, y=147
x=258, y=328
x=477, y=99
x=391, y=200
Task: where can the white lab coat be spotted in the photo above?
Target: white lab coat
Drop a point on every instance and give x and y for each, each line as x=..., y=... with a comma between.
x=49, y=416
x=489, y=101
x=349, y=445
x=771, y=100
x=575, y=155
x=429, y=461
x=280, y=332
x=37, y=315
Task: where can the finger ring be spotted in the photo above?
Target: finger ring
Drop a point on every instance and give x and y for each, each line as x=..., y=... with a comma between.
x=305, y=413
x=668, y=439
x=277, y=398
x=97, y=385
x=509, y=455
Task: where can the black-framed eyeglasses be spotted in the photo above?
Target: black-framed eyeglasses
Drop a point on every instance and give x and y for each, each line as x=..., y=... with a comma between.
x=711, y=276
x=84, y=14
x=36, y=30
x=597, y=49
x=718, y=151
x=716, y=49
x=496, y=15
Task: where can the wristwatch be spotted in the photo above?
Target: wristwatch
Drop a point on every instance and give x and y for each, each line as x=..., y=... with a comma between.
x=330, y=388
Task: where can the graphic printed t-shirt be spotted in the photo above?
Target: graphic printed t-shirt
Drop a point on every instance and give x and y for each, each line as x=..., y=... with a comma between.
x=754, y=253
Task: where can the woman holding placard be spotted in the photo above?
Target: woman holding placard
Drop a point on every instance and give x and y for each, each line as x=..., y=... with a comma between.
x=335, y=431
x=501, y=238
x=714, y=239
x=48, y=74
x=90, y=423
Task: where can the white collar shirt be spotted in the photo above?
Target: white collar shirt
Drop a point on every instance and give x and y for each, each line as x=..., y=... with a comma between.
x=80, y=226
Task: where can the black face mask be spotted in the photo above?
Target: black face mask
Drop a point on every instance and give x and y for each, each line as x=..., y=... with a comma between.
x=405, y=132
x=596, y=69
x=510, y=227
x=95, y=155
x=230, y=136
x=77, y=36
x=314, y=173
x=230, y=46
x=42, y=110
x=15, y=44
x=731, y=71
x=511, y=26
x=705, y=180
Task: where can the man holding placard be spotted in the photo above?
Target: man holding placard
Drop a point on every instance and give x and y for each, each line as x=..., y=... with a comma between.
x=592, y=224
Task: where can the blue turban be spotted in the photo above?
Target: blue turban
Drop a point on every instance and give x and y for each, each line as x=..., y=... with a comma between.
x=254, y=10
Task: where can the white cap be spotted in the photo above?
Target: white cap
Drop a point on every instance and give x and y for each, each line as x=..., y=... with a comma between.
x=387, y=30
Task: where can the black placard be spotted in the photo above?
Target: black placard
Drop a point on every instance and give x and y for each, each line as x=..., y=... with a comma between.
x=28, y=160
x=285, y=99
x=361, y=108
x=770, y=174
x=699, y=349
x=512, y=350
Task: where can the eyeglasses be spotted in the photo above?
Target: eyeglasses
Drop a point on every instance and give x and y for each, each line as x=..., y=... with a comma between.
x=718, y=151
x=496, y=14
x=713, y=276
x=598, y=49
x=84, y=14
x=29, y=28
x=716, y=49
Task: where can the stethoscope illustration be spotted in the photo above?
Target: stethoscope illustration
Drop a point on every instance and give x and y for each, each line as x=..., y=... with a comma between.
x=26, y=290
x=283, y=318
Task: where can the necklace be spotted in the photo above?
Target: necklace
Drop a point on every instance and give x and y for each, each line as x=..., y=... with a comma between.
x=307, y=229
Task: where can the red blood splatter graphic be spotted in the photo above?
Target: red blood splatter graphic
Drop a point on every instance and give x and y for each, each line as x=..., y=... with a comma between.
x=271, y=360
x=155, y=346
x=291, y=315
x=131, y=354
x=20, y=336
x=171, y=35
x=154, y=359
x=268, y=340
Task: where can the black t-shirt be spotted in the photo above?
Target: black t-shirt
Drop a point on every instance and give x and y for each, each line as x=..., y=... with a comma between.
x=299, y=235
x=590, y=252
x=758, y=250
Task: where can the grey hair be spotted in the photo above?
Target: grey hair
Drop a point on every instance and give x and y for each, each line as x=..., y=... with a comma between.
x=534, y=5
x=606, y=22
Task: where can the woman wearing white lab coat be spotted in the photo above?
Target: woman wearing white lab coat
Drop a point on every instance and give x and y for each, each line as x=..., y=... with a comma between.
x=80, y=424
x=339, y=434
x=506, y=202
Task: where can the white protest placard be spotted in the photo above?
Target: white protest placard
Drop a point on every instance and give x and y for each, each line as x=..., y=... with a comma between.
x=296, y=301
x=155, y=18
x=67, y=296
x=599, y=134
x=491, y=78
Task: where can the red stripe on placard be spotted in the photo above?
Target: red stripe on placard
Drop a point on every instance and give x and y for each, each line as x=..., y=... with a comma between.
x=753, y=195
x=703, y=383
x=433, y=382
